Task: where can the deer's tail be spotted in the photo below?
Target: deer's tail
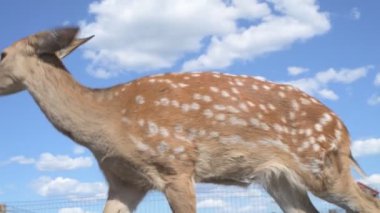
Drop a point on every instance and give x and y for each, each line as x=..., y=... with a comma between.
x=357, y=167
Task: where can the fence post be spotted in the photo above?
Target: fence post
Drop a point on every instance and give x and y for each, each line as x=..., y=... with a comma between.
x=3, y=208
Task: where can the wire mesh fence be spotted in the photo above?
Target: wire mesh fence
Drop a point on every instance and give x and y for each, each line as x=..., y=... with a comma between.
x=209, y=200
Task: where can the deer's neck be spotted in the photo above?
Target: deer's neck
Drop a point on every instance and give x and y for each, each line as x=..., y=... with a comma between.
x=70, y=107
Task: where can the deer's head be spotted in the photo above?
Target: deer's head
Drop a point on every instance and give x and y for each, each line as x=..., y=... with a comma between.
x=17, y=59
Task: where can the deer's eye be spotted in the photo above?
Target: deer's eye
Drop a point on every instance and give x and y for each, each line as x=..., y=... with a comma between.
x=2, y=56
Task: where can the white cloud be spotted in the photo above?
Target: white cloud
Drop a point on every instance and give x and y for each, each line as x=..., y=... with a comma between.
x=377, y=80
x=211, y=203
x=374, y=100
x=345, y=76
x=372, y=180
x=20, y=159
x=132, y=35
x=320, y=82
x=328, y=94
x=366, y=147
x=50, y=162
x=299, y=20
x=355, y=13
x=78, y=150
x=60, y=186
x=297, y=70
x=72, y=210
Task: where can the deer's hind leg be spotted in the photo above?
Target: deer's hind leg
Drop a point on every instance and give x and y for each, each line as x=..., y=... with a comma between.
x=285, y=186
x=291, y=198
x=337, y=186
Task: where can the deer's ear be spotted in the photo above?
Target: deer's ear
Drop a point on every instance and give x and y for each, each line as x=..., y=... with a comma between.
x=74, y=44
x=53, y=41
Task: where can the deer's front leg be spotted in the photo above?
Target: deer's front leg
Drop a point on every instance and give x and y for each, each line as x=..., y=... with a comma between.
x=181, y=194
x=122, y=197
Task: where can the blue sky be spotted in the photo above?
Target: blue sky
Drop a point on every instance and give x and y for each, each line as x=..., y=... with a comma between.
x=331, y=52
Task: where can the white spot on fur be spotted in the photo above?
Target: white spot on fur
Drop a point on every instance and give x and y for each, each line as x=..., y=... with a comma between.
x=225, y=94
x=195, y=106
x=214, y=89
x=292, y=115
x=278, y=127
x=305, y=101
x=178, y=128
x=219, y=107
x=164, y=101
x=208, y=113
x=164, y=132
x=162, y=147
x=260, y=116
x=216, y=75
x=152, y=128
x=263, y=108
x=281, y=94
x=185, y=107
x=179, y=150
x=195, y=75
x=231, y=139
x=175, y=103
x=140, y=99
x=266, y=87
x=220, y=117
x=197, y=96
x=316, y=147
x=206, y=98
x=232, y=109
x=308, y=132
x=139, y=144
x=251, y=104
x=318, y=127
x=326, y=118
x=271, y=107
x=234, y=90
x=183, y=85
x=255, y=87
x=214, y=134
x=305, y=145
x=258, y=124
x=125, y=120
x=321, y=138
x=237, y=121
x=141, y=122
x=295, y=105
x=243, y=107
x=338, y=135
x=276, y=143
x=239, y=83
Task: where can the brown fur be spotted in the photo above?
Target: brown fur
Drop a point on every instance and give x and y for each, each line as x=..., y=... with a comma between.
x=167, y=132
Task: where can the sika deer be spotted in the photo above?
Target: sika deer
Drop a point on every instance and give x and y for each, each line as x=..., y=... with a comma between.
x=168, y=131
